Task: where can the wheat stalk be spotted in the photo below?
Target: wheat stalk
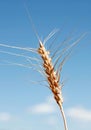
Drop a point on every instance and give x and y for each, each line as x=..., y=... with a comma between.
x=53, y=79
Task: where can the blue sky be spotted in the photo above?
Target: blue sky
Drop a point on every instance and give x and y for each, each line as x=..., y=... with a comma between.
x=28, y=106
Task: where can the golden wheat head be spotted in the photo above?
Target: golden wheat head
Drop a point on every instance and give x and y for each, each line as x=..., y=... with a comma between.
x=52, y=78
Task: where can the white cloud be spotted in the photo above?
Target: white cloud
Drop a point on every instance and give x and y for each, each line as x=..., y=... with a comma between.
x=4, y=116
x=79, y=113
x=43, y=108
x=47, y=107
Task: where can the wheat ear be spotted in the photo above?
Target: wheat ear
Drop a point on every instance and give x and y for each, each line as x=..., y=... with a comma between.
x=52, y=79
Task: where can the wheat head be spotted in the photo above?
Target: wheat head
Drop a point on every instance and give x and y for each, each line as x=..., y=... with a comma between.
x=52, y=78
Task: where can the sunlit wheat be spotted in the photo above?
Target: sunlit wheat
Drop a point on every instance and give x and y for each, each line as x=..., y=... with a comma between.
x=49, y=65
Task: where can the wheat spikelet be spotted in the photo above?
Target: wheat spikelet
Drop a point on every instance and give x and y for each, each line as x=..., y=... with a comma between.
x=52, y=79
